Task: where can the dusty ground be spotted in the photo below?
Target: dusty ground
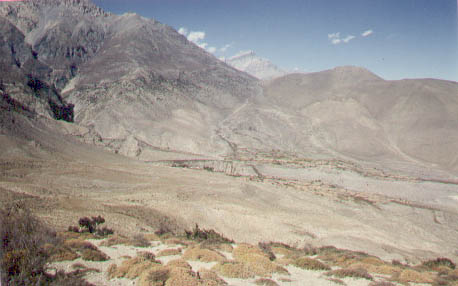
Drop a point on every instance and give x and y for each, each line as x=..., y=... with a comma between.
x=316, y=202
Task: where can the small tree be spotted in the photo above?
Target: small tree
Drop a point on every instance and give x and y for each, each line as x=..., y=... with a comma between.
x=86, y=222
x=92, y=225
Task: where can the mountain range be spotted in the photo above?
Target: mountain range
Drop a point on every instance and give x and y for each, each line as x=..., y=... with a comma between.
x=122, y=115
x=133, y=85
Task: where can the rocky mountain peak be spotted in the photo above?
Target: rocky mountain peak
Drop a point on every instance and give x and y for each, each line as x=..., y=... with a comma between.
x=258, y=67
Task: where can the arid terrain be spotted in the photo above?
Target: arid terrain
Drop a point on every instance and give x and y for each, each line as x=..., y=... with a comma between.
x=121, y=116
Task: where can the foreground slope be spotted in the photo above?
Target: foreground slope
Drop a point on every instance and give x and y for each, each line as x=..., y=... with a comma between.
x=299, y=155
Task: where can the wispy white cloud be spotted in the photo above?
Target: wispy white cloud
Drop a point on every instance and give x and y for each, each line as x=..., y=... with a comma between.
x=335, y=38
x=202, y=45
x=336, y=41
x=225, y=47
x=183, y=31
x=196, y=36
x=367, y=33
x=348, y=38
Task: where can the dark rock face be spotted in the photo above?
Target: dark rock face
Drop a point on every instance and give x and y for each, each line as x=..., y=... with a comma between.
x=23, y=78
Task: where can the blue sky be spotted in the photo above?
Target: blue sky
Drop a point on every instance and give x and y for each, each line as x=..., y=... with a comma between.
x=403, y=39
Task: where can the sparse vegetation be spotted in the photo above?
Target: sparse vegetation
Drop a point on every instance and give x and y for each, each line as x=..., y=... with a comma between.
x=233, y=269
x=250, y=261
x=204, y=234
x=156, y=276
x=201, y=254
x=139, y=241
x=94, y=255
x=179, y=263
x=27, y=246
x=169, y=252
x=355, y=273
x=91, y=225
x=115, y=240
x=439, y=262
x=267, y=249
x=311, y=264
x=381, y=283
x=134, y=267
x=410, y=275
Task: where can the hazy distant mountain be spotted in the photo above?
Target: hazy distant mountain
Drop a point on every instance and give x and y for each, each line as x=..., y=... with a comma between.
x=256, y=66
x=349, y=111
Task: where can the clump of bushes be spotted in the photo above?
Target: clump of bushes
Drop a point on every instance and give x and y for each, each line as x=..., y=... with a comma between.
x=206, y=235
x=91, y=225
x=439, y=262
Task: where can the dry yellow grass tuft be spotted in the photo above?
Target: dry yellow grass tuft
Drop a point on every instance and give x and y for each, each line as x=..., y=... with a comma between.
x=204, y=255
x=178, y=263
x=233, y=269
x=182, y=277
x=346, y=272
x=245, y=249
x=65, y=235
x=94, y=255
x=256, y=260
x=155, y=276
x=146, y=255
x=343, y=258
x=284, y=252
x=79, y=244
x=210, y=278
x=387, y=269
x=111, y=271
x=115, y=240
x=212, y=245
x=169, y=252
x=372, y=260
x=311, y=264
x=132, y=268
x=151, y=237
x=59, y=253
x=409, y=275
